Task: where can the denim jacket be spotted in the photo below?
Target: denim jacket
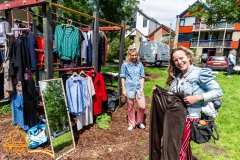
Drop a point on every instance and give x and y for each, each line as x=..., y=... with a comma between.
x=133, y=73
x=198, y=81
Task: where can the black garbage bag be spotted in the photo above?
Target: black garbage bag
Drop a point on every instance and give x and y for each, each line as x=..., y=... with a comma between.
x=113, y=100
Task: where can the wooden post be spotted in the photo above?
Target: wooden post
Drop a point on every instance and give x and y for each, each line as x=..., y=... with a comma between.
x=95, y=40
x=8, y=21
x=47, y=33
x=121, y=58
x=34, y=30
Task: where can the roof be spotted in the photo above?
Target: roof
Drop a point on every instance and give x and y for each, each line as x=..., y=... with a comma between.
x=134, y=31
x=144, y=15
x=163, y=27
x=194, y=4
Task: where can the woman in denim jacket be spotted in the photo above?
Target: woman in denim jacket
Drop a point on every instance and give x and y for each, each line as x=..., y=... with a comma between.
x=132, y=80
x=197, y=85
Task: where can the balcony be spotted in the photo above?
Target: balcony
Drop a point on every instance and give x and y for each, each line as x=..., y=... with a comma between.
x=218, y=26
x=211, y=44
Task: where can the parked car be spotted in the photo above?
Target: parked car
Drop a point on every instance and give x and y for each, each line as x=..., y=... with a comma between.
x=217, y=63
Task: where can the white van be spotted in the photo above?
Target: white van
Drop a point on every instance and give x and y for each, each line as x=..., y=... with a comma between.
x=153, y=52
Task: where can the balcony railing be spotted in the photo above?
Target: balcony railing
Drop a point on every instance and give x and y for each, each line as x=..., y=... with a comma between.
x=220, y=25
x=211, y=44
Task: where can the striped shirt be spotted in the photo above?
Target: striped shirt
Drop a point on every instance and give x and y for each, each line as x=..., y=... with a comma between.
x=66, y=42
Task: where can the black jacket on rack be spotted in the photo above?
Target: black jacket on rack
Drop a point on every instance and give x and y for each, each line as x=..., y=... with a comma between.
x=21, y=61
x=20, y=57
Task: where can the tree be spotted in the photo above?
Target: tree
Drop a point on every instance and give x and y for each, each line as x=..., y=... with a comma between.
x=61, y=16
x=115, y=11
x=55, y=105
x=84, y=6
x=213, y=11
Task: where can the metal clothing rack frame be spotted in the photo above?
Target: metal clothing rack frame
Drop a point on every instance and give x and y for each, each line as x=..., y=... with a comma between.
x=73, y=69
x=21, y=29
x=47, y=30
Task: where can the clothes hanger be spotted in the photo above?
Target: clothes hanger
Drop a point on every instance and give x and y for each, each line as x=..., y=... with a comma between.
x=93, y=73
x=82, y=73
x=74, y=74
x=69, y=22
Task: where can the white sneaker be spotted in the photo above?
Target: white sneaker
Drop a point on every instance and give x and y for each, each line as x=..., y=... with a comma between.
x=142, y=126
x=130, y=128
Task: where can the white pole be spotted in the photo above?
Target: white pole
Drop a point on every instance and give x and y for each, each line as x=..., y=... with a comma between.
x=170, y=35
x=224, y=35
x=199, y=34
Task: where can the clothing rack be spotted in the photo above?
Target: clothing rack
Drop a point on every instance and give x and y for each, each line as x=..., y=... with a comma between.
x=8, y=7
x=15, y=20
x=20, y=29
x=72, y=69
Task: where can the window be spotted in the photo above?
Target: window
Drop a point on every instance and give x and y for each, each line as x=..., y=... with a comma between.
x=144, y=22
x=217, y=59
x=215, y=35
x=180, y=37
x=140, y=39
x=185, y=37
x=188, y=21
x=133, y=24
x=165, y=38
x=195, y=36
x=182, y=21
x=228, y=35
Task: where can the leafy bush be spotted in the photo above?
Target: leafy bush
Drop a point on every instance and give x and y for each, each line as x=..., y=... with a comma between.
x=103, y=121
x=114, y=48
x=5, y=108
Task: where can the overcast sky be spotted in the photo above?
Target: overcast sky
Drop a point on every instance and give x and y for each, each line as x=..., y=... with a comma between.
x=165, y=11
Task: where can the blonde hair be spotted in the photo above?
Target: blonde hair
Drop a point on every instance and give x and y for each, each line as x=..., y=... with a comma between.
x=173, y=71
x=233, y=51
x=131, y=50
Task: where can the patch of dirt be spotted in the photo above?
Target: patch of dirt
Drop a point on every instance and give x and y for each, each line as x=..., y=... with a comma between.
x=92, y=142
x=150, y=77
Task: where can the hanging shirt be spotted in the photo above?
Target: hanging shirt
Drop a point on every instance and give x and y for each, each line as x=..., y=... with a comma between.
x=77, y=95
x=17, y=108
x=2, y=32
x=32, y=44
x=87, y=117
x=66, y=42
x=89, y=51
x=84, y=46
x=7, y=65
x=100, y=89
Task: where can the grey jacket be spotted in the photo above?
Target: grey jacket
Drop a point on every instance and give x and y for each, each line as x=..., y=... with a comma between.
x=197, y=81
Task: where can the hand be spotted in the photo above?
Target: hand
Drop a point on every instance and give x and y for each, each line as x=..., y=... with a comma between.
x=154, y=88
x=189, y=100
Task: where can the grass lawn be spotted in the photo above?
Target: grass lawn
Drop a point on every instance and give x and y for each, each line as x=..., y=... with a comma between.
x=62, y=141
x=227, y=147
